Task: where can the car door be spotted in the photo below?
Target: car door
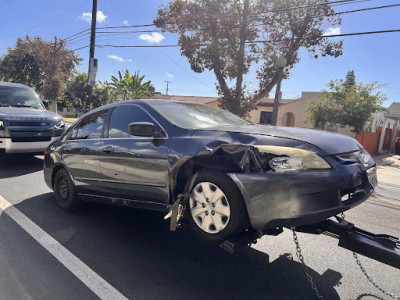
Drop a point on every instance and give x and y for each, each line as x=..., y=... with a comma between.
x=135, y=168
x=81, y=152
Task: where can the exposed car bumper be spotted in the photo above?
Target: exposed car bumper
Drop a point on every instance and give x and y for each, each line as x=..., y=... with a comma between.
x=300, y=198
x=8, y=146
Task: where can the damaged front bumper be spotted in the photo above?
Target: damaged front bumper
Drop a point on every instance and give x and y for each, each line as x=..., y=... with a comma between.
x=286, y=199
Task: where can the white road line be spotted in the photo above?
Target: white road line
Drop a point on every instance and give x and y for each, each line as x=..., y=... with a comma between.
x=91, y=279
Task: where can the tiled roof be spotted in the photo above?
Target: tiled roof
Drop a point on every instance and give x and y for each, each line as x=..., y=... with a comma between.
x=394, y=108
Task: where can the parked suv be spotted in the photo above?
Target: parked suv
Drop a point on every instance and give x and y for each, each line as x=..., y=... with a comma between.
x=225, y=174
x=25, y=124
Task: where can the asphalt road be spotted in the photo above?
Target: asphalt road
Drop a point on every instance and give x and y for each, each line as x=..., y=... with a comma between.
x=133, y=254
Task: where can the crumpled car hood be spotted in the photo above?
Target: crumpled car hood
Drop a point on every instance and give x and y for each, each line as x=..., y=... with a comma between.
x=26, y=112
x=331, y=143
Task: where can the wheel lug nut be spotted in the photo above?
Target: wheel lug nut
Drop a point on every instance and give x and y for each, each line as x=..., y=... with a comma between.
x=206, y=213
x=208, y=200
x=204, y=205
x=213, y=205
x=213, y=212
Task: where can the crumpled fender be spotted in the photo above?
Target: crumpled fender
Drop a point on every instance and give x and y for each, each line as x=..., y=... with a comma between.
x=228, y=158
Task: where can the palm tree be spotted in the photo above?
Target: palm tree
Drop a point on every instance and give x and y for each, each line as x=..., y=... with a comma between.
x=130, y=86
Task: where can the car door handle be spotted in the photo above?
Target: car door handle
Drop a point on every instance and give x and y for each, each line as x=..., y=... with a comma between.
x=108, y=149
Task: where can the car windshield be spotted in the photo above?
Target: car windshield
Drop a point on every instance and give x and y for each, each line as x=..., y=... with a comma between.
x=197, y=116
x=19, y=97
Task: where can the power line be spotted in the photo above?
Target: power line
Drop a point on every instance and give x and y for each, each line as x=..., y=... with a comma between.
x=2, y=2
x=81, y=48
x=45, y=22
x=85, y=32
x=145, y=31
x=126, y=26
x=185, y=70
x=332, y=3
x=109, y=49
x=364, y=9
x=257, y=41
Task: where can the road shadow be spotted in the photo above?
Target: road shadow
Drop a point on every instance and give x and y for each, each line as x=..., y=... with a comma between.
x=12, y=165
x=136, y=253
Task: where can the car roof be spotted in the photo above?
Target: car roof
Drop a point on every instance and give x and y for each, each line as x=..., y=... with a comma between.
x=143, y=101
x=17, y=85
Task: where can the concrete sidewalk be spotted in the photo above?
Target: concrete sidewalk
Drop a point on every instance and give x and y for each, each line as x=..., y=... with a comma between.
x=388, y=169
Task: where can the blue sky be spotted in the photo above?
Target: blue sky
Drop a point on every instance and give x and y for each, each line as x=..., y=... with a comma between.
x=372, y=57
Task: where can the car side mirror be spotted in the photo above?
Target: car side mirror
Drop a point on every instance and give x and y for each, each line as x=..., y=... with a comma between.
x=46, y=103
x=141, y=129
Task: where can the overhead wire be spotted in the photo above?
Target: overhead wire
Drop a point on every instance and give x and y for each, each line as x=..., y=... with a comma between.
x=257, y=41
x=45, y=22
x=2, y=2
x=82, y=33
x=332, y=3
x=336, y=3
x=109, y=49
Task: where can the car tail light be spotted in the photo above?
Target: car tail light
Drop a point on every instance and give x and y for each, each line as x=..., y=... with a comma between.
x=45, y=155
x=398, y=139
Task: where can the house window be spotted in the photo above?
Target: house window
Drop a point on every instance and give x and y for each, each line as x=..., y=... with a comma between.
x=266, y=117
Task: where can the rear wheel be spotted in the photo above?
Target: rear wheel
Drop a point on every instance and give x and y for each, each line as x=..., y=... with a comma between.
x=64, y=190
x=216, y=207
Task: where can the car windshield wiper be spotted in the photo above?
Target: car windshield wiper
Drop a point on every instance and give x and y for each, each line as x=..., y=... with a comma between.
x=21, y=105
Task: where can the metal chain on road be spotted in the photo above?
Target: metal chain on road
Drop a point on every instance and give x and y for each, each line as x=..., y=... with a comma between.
x=371, y=280
x=368, y=277
x=301, y=258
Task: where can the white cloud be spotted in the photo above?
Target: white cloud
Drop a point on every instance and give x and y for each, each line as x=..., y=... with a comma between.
x=119, y=58
x=87, y=17
x=169, y=75
x=155, y=37
x=126, y=23
x=333, y=31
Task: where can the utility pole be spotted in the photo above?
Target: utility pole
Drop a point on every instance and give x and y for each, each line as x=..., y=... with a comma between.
x=167, y=86
x=92, y=61
x=281, y=63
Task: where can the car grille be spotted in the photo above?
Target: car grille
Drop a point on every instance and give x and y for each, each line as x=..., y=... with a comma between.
x=31, y=139
x=13, y=123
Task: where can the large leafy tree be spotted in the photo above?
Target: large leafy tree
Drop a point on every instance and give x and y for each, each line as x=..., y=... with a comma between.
x=75, y=96
x=346, y=103
x=41, y=64
x=127, y=86
x=17, y=66
x=228, y=36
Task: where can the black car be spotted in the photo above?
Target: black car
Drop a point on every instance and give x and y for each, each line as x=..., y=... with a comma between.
x=227, y=174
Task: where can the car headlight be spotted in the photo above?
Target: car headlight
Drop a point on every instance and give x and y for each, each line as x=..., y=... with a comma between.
x=360, y=156
x=3, y=131
x=293, y=159
x=59, y=124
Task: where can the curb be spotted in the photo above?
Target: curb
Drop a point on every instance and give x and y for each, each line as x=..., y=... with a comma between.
x=71, y=120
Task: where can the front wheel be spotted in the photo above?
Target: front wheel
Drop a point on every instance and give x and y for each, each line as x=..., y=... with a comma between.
x=64, y=190
x=216, y=207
